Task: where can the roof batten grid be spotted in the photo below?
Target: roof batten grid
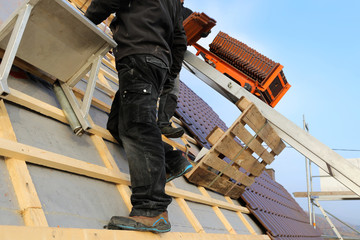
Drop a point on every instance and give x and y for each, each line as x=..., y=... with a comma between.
x=270, y=203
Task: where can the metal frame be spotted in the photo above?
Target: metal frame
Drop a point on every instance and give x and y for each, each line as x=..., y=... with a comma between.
x=316, y=202
x=303, y=142
x=16, y=25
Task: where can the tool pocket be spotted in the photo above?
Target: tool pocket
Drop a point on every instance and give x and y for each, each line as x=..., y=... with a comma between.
x=156, y=62
x=138, y=103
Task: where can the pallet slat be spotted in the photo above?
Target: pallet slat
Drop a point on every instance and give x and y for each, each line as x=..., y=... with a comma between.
x=237, y=155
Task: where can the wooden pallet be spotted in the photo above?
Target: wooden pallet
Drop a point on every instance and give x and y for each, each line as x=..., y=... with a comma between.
x=238, y=155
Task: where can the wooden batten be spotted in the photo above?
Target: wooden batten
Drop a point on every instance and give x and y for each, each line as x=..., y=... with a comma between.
x=35, y=233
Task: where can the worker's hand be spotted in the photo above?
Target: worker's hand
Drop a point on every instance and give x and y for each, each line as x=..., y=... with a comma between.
x=205, y=34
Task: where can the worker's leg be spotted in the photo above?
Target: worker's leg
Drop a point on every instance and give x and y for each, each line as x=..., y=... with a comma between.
x=140, y=79
x=176, y=163
x=113, y=121
x=167, y=106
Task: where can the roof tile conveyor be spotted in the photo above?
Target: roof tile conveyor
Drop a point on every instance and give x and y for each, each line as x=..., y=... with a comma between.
x=256, y=73
x=241, y=56
x=269, y=202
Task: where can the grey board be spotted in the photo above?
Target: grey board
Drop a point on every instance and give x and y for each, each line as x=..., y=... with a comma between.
x=98, y=93
x=98, y=116
x=178, y=220
x=73, y=201
x=207, y=218
x=119, y=156
x=33, y=86
x=9, y=207
x=182, y=183
x=251, y=219
x=42, y=132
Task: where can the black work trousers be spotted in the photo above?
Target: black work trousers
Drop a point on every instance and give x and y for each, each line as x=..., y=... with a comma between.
x=168, y=101
x=132, y=122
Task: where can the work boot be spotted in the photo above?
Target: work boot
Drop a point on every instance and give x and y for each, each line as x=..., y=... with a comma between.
x=158, y=224
x=178, y=168
x=170, y=132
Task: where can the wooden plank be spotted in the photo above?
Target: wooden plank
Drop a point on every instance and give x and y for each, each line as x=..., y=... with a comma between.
x=125, y=193
x=243, y=219
x=34, y=217
x=243, y=103
x=111, y=58
x=256, y=121
x=326, y=193
x=204, y=177
x=175, y=192
x=228, y=146
x=219, y=214
x=29, y=202
x=108, y=64
x=253, y=143
x=41, y=157
x=110, y=163
x=95, y=102
x=225, y=137
x=36, y=105
x=104, y=153
x=188, y=212
x=101, y=85
x=109, y=75
x=50, y=111
x=245, y=159
x=36, y=233
x=222, y=166
x=174, y=144
x=214, y=135
x=102, y=132
x=190, y=215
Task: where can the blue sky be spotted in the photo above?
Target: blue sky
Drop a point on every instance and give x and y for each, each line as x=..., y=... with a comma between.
x=318, y=43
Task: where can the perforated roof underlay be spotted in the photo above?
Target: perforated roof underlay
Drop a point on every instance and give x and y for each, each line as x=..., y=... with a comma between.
x=268, y=201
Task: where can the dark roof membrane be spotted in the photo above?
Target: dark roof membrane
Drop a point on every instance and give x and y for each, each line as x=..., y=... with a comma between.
x=270, y=203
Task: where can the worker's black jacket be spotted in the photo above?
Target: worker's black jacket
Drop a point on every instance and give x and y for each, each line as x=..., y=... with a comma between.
x=186, y=12
x=144, y=27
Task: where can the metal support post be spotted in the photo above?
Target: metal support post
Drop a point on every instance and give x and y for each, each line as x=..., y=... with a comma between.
x=10, y=52
x=308, y=178
x=91, y=86
x=316, y=202
x=82, y=110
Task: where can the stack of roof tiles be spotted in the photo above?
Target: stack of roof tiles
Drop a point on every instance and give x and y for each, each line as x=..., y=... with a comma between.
x=197, y=24
x=269, y=202
x=247, y=60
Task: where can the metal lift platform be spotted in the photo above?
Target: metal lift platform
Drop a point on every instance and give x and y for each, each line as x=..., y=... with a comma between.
x=56, y=38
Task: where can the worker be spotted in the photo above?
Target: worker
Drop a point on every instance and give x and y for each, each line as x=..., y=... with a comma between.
x=170, y=94
x=151, y=45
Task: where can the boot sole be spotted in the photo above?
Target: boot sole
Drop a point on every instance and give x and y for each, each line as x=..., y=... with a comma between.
x=142, y=229
x=175, y=134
